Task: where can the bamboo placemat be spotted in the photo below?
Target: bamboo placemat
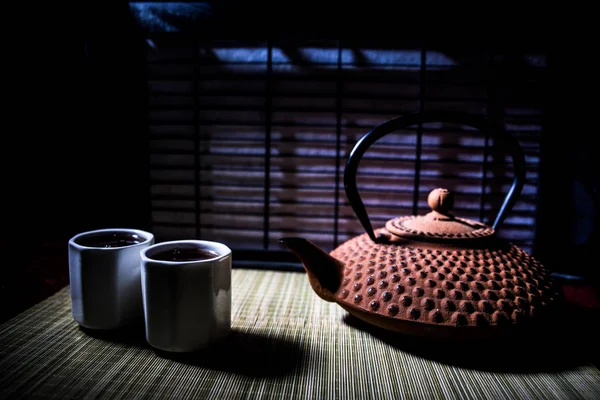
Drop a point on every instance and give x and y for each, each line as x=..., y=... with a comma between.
x=285, y=343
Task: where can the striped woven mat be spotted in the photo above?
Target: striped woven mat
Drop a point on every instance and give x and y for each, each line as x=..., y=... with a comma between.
x=285, y=343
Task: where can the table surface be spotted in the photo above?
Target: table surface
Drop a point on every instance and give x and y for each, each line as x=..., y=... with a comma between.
x=285, y=343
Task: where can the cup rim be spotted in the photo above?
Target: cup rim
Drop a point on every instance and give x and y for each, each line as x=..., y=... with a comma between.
x=223, y=251
x=146, y=235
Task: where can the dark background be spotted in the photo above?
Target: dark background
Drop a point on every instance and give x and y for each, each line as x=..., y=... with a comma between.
x=74, y=150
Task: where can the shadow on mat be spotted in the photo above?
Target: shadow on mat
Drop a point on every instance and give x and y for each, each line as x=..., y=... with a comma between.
x=564, y=345
x=245, y=353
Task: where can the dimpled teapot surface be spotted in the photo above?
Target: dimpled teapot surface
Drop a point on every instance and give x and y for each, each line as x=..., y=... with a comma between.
x=434, y=274
x=442, y=285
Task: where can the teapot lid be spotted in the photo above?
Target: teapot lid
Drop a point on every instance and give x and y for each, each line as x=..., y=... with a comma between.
x=439, y=224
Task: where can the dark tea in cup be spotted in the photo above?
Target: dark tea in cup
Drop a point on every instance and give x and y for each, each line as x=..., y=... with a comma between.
x=110, y=239
x=184, y=254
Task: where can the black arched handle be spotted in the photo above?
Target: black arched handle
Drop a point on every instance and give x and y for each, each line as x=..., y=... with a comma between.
x=478, y=122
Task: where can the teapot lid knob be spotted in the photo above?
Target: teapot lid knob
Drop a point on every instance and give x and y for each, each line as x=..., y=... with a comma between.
x=441, y=200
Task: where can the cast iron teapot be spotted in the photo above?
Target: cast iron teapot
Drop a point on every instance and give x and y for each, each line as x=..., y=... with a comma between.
x=435, y=274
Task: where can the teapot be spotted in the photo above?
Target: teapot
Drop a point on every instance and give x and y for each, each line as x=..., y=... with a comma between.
x=435, y=274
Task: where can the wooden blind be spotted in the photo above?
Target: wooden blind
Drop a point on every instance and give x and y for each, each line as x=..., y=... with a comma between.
x=249, y=140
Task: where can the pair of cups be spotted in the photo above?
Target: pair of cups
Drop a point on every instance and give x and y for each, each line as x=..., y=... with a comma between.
x=181, y=289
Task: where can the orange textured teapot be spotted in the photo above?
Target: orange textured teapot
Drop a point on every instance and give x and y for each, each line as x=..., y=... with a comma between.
x=434, y=274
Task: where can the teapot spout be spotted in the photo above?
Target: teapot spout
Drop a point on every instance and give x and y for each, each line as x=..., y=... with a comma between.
x=324, y=272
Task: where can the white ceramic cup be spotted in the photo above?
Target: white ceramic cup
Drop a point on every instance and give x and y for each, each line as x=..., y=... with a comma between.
x=187, y=304
x=104, y=273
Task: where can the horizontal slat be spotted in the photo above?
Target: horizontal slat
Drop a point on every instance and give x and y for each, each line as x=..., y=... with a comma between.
x=314, y=197
x=181, y=97
x=468, y=146
x=436, y=167
x=296, y=226
x=391, y=172
x=443, y=155
x=173, y=95
x=232, y=72
x=182, y=138
x=309, y=181
x=163, y=123
x=308, y=211
x=351, y=108
x=520, y=127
